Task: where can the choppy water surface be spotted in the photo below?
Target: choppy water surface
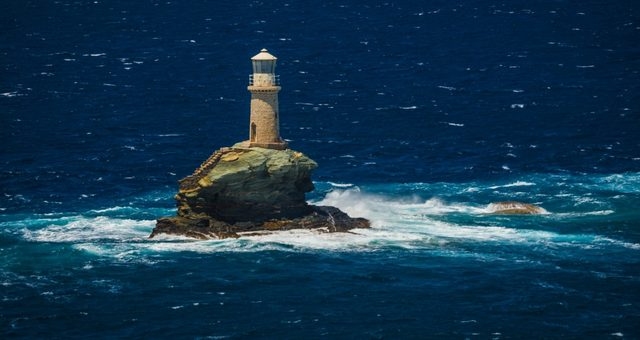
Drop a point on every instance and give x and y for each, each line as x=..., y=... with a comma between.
x=420, y=116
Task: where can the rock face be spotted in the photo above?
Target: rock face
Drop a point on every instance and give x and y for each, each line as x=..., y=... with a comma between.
x=241, y=189
x=515, y=208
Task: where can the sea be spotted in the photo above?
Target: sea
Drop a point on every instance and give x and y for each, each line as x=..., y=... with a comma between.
x=420, y=114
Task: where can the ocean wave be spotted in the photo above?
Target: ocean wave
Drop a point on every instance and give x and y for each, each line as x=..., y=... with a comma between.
x=83, y=229
x=412, y=219
x=514, y=184
x=447, y=217
x=340, y=185
x=113, y=209
x=574, y=214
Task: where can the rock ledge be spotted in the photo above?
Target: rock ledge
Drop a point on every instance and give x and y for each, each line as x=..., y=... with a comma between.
x=240, y=189
x=324, y=218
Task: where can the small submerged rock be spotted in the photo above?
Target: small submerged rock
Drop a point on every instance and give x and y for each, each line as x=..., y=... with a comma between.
x=515, y=208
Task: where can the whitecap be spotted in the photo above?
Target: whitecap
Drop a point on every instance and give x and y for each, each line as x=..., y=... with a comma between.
x=340, y=185
x=454, y=124
x=171, y=135
x=514, y=184
x=450, y=88
x=119, y=209
x=583, y=213
x=586, y=200
x=11, y=94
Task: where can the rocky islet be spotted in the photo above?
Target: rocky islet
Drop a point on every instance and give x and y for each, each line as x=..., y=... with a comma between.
x=243, y=190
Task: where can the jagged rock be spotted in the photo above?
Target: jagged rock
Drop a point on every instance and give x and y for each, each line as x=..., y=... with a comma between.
x=515, y=208
x=328, y=219
x=200, y=228
x=241, y=189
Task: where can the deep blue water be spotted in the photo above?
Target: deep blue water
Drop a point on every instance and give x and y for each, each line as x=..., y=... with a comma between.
x=419, y=114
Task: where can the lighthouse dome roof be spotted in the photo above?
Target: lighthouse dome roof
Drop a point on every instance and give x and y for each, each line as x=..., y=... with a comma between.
x=263, y=55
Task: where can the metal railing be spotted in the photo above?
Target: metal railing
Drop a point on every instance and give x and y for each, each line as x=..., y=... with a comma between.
x=264, y=79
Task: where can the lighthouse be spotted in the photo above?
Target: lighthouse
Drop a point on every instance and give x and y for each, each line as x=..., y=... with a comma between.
x=264, y=126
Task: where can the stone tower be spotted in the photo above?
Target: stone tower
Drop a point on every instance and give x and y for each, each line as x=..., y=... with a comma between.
x=264, y=128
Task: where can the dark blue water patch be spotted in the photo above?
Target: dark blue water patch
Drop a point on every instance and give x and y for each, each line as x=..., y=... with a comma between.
x=548, y=284
x=333, y=295
x=175, y=87
x=105, y=105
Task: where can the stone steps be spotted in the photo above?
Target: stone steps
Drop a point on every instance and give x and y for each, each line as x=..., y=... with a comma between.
x=191, y=182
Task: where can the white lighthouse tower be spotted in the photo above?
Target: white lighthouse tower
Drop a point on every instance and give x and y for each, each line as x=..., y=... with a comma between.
x=264, y=126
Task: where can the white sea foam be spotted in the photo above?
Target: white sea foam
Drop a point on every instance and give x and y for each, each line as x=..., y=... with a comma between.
x=398, y=222
x=409, y=219
x=112, y=209
x=9, y=94
x=83, y=229
x=514, y=184
x=171, y=135
x=450, y=88
x=454, y=124
x=340, y=185
x=564, y=215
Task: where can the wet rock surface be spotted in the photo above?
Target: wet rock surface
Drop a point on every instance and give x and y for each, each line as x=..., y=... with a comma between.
x=324, y=218
x=515, y=208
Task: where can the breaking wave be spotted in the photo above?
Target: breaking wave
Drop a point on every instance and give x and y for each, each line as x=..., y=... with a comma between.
x=404, y=216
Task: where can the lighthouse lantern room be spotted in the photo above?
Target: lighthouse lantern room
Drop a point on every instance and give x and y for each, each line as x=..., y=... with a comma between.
x=264, y=129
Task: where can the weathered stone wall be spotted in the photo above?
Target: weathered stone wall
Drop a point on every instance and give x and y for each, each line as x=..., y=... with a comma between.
x=264, y=120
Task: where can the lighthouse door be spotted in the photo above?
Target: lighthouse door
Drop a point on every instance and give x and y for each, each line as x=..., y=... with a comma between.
x=253, y=132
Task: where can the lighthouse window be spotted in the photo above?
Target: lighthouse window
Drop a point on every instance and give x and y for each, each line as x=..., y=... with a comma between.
x=263, y=66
